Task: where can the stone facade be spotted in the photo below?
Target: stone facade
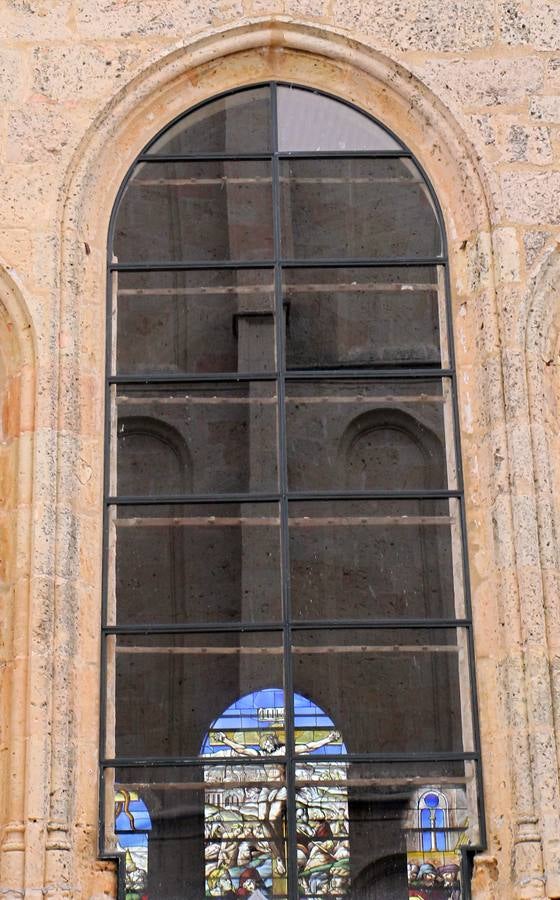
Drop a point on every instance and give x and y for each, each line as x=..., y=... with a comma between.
x=472, y=88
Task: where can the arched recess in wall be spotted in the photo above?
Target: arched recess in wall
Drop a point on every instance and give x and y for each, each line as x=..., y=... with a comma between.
x=309, y=55
x=17, y=370
x=149, y=445
x=390, y=447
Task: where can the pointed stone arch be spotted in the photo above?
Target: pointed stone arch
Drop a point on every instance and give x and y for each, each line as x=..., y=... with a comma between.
x=315, y=57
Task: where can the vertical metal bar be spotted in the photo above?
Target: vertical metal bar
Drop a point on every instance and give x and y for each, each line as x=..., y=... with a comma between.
x=105, y=549
x=291, y=848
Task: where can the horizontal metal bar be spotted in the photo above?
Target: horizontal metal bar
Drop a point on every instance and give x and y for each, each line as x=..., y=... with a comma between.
x=338, y=263
x=192, y=498
x=183, y=761
x=292, y=375
x=344, y=154
x=374, y=495
x=180, y=761
x=202, y=157
x=388, y=757
x=282, y=154
x=195, y=265
x=143, y=500
x=361, y=624
x=368, y=374
x=303, y=625
x=361, y=263
x=172, y=378
x=196, y=628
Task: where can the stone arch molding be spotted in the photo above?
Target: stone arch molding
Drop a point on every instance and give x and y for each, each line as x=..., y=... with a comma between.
x=319, y=58
x=17, y=410
x=542, y=369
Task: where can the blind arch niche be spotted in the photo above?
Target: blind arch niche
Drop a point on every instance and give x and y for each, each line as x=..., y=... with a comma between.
x=279, y=304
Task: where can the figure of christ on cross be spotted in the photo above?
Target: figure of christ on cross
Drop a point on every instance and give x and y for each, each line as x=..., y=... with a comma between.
x=272, y=800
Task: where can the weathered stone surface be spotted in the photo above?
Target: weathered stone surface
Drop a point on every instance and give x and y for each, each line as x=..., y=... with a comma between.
x=77, y=72
x=26, y=194
x=552, y=78
x=534, y=242
x=531, y=197
x=535, y=22
x=481, y=83
x=507, y=252
x=102, y=18
x=547, y=109
x=430, y=26
x=29, y=19
x=13, y=75
x=307, y=8
x=41, y=130
x=523, y=143
x=258, y=7
x=485, y=129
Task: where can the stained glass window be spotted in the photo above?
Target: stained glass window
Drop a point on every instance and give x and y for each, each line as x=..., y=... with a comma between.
x=245, y=827
x=289, y=704
x=132, y=829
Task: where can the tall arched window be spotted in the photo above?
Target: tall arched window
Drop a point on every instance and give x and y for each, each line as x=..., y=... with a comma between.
x=285, y=545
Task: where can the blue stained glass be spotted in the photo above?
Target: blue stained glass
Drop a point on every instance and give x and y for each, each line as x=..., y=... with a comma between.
x=300, y=701
x=132, y=839
x=431, y=800
x=132, y=827
x=138, y=818
x=432, y=822
x=244, y=702
x=245, y=723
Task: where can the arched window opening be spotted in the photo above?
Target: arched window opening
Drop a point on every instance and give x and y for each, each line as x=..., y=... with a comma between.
x=285, y=529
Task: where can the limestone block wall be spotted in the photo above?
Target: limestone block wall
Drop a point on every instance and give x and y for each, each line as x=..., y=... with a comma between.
x=473, y=88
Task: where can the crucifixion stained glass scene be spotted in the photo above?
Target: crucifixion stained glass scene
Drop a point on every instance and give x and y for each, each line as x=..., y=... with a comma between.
x=289, y=702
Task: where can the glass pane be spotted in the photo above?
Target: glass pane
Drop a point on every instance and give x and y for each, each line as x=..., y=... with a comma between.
x=356, y=208
x=375, y=559
x=199, y=438
x=196, y=211
x=384, y=831
x=389, y=691
x=358, y=435
x=218, y=320
x=238, y=123
x=169, y=688
x=197, y=563
x=361, y=317
x=308, y=121
x=204, y=830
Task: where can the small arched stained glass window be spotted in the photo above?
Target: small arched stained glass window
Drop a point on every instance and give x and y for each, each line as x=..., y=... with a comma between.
x=287, y=633
x=433, y=821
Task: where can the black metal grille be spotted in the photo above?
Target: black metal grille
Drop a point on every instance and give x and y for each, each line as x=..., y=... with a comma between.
x=288, y=626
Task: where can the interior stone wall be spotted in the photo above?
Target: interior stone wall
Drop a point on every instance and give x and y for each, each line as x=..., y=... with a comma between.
x=472, y=89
